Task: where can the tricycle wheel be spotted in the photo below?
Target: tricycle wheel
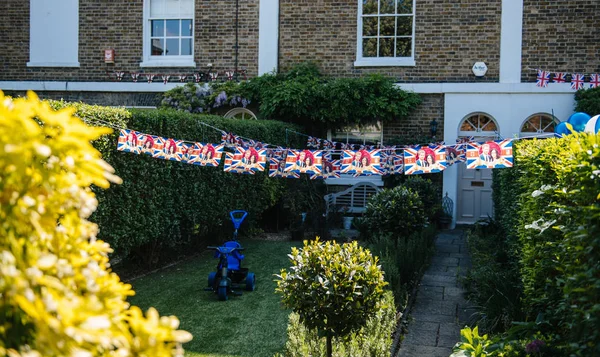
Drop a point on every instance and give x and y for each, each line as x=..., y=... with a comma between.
x=222, y=293
x=211, y=279
x=250, y=282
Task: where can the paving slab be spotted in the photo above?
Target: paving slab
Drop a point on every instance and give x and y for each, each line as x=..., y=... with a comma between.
x=440, y=309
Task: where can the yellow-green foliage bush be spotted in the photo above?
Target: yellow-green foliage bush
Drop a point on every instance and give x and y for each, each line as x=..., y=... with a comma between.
x=57, y=294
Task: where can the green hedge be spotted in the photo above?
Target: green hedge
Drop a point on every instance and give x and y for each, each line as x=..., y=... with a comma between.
x=165, y=204
x=549, y=204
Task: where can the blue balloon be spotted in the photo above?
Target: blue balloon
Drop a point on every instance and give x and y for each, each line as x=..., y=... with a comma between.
x=578, y=120
x=562, y=129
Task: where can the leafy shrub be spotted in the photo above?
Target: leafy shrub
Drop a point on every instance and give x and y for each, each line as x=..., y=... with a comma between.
x=59, y=297
x=429, y=193
x=373, y=340
x=399, y=211
x=493, y=282
x=204, y=98
x=556, y=193
x=167, y=206
x=403, y=260
x=333, y=288
x=588, y=101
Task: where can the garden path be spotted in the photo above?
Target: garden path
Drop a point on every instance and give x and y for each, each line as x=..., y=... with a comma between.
x=440, y=309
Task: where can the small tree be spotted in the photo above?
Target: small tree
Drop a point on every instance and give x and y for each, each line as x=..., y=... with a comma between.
x=58, y=295
x=333, y=288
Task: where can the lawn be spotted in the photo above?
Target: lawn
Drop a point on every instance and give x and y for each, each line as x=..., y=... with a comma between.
x=251, y=325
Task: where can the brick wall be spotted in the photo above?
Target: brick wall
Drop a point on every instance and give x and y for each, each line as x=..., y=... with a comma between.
x=450, y=37
x=560, y=36
x=417, y=124
x=118, y=24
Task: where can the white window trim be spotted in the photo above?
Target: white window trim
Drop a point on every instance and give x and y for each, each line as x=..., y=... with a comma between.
x=382, y=61
x=164, y=61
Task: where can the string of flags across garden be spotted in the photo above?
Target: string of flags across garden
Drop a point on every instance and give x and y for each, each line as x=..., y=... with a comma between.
x=246, y=156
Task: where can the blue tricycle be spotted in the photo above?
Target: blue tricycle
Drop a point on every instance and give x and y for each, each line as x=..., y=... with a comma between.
x=229, y=270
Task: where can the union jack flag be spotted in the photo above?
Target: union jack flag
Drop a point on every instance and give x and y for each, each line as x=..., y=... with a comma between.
x=392, y=164
x=327, y=144
x=186, y=153
x=229, y=75
x=577, y=81
x=490, y=155
x=277, y=153
x=150, y=143
x=313, y=143
x=135, y=76
x=229, y=139
x=361, y=162
x=119, y=75
x=543, y=78
x=150, y=77
x=165, y=78
x=331, y=169
x=304, y=161
x=213, y=76
x=158, y=148
x=245, y=161
x=456, y=153
x=130, y=141
x=424, y=160
x=277, y=168
x=206, y=154
x=182, y=77
x=198, y=77
x=594, y=80
x=559, y=77
x=464, y=140
x=171, y=148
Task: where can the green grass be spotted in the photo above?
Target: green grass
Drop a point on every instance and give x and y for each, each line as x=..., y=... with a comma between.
x=251, y=325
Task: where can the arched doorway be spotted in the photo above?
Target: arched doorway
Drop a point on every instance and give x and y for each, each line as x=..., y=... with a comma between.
x=475, y=186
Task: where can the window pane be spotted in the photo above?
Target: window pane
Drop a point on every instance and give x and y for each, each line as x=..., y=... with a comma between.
x=172, y=27
x=403, y=47
x=467, y=126
x=387, y=7
x=547, y=124
x=369, y=47
x=186, y=46
x=158, y=28
x=386, y=47
x=157, y=47
x=405, y=7
x=172, y=47
x=187, y=8
x=171, y=8
x=157, y=8
x=186, y=27
x=370, y=26
x=369, y=7
x=387, y=26
x=404, y=26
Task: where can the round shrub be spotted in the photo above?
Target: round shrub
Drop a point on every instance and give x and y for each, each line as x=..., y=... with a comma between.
x=429, y=194
x=333, y=288
x=398, y=210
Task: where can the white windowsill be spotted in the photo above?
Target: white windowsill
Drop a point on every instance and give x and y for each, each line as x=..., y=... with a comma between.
x=384, y=62
x=52, y=64
x=168, y=63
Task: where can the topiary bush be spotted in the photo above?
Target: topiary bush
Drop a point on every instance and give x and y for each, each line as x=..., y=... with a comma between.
x=59, y=297
x=334, y=288
x=373, y=340
x=399, y=211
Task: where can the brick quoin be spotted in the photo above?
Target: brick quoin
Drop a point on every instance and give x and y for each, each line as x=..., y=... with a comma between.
x=118, y=24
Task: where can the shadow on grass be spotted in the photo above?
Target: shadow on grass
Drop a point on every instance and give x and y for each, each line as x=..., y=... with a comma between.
x=251, y=325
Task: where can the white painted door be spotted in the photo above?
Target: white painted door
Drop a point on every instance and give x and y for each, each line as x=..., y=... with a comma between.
x=474, y=195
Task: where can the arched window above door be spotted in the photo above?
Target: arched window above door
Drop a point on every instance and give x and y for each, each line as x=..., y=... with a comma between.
x=478, y=124
x=540, y=123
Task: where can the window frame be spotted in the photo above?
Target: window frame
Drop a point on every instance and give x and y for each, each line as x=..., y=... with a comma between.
x=148, y=59
x=554, y=120
x=383, y=61
x=478, y=131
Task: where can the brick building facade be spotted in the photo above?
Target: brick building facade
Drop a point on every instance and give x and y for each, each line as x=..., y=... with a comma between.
x=345, y=39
